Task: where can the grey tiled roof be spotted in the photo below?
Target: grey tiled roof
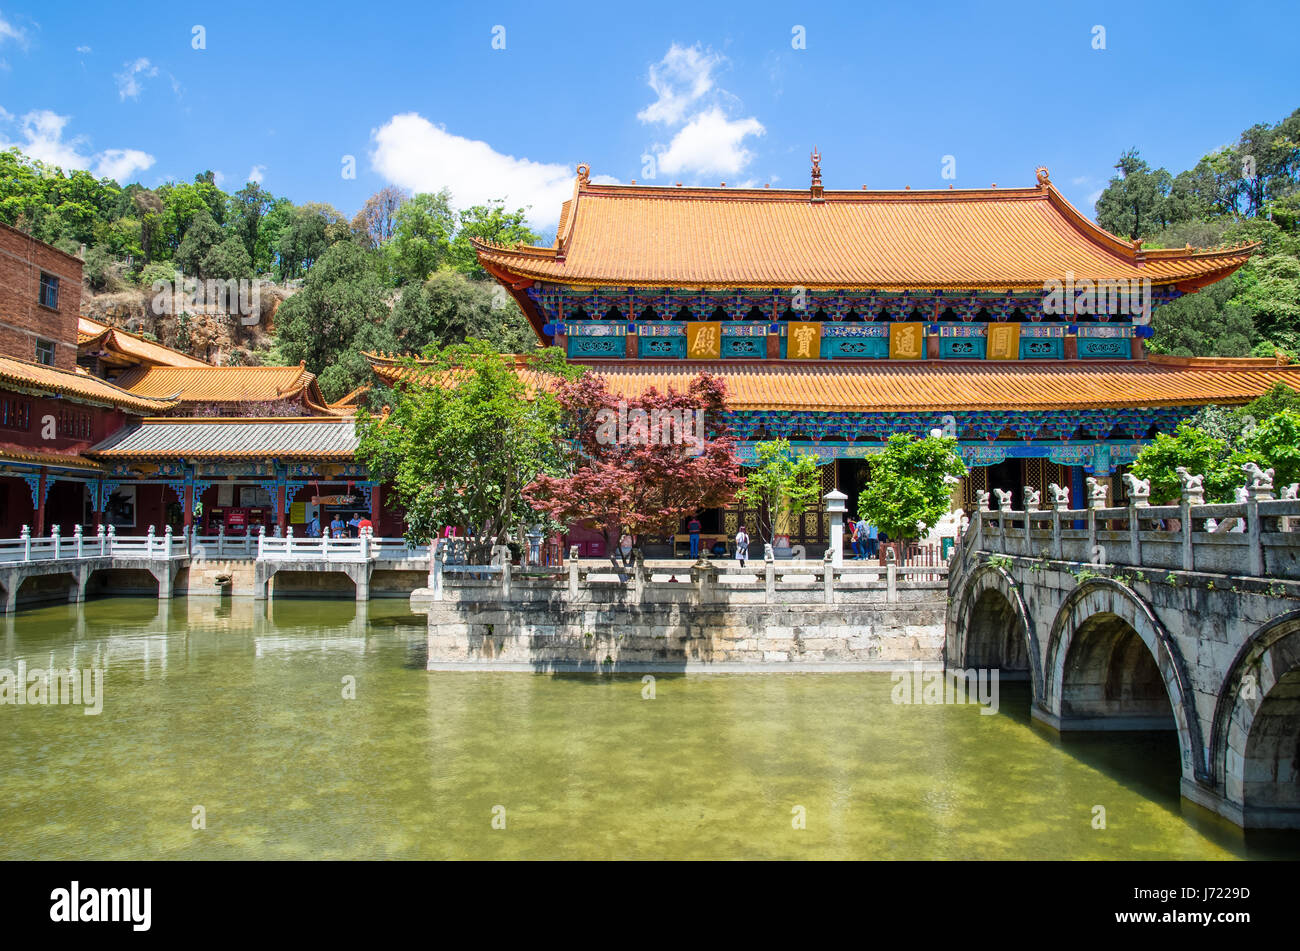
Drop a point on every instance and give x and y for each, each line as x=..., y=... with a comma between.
x=281, y=438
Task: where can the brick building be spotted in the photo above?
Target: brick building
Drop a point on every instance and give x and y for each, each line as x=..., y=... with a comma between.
x=40, y=298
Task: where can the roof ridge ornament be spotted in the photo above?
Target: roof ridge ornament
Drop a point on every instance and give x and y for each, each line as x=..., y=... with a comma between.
x=584, y=174
x=1043, y=175
x=816, y=188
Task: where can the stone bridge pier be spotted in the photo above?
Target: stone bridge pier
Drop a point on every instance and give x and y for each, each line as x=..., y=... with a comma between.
x=1183, y=638
x=266, y=569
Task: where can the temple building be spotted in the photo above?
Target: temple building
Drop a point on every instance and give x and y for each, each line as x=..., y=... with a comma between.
x=1002, y=316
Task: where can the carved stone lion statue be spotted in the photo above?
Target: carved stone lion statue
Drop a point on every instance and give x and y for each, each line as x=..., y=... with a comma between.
x=1193, y=485
x=1139, y=490
x=1032, y=498
x=1060, y=496
x=1004, y=499
x=1097, y=492
x=982, y=499
x=1260, y=479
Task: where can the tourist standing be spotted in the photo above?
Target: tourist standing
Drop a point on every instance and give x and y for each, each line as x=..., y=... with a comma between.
x=336, y=526
x=742, y=546
x=313, y=527
x=354, y=527
x=693, y=529
x=855, y=540
x=871, y=538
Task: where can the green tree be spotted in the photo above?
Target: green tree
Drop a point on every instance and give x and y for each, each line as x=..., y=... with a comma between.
x=421, y=241
x=1135, y=203
x=784, y=483
x=335, y=317
x=228, y=260
x=1196, y=451
x=910, y=485
x=490, y=222
x=302, y=238
x=450, y=308
x=1275, y=444
x=248, y=207
x=201, y=237
x=463, y=439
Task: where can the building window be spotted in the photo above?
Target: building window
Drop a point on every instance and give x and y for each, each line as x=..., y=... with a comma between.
x=15, y=414
x=49, y=291
x=45, y=352
x=73, y=425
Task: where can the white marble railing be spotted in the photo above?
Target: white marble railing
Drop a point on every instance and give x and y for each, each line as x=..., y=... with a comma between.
x=1258, y=535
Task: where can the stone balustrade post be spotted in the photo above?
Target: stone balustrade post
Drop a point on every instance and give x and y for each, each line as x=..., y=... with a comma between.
x=325, y=544
x=112, y=538
x=167, y=543
x=828, y=575
x=364, y=539
x=288, y=541
x=148, y=542
x=1254, y=542
x=573, y=572
x=638, y=577
x=1190, y=496
x=705, y=577
x=891, y=575
x=54, y=533
x=769, y=574
x=99, y=536
x=76, y=534
x=436, y=557
x=26, y=535
x=260, y=546
x=1134, y=534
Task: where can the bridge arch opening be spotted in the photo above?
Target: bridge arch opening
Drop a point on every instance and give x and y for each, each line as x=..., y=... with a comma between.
x=1110, y=674
x=1271, y=765
x=996, y=637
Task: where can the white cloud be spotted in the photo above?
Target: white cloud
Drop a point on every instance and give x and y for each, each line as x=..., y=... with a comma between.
x=256, y=174
x=83, y=49
x=42, y=138
x=129, y=82
x=218, y=178
x=710, y=142
x=121, y=164
x=10, y=32
x=413, y=153
x=680, y=79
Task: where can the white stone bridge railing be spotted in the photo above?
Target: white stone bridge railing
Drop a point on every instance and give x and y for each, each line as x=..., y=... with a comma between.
x=1256, y=536
x=105, y=543
x=702, y=582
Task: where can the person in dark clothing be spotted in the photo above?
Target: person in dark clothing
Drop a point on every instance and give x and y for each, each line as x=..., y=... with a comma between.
x=693, y=528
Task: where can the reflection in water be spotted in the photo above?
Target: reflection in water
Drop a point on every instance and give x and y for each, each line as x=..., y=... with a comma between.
x=238, y=706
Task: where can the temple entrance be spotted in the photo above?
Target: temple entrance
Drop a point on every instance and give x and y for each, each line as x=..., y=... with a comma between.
x=1007, y=475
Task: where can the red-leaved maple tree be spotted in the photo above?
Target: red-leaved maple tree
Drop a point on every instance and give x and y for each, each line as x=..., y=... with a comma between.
x=639, y=466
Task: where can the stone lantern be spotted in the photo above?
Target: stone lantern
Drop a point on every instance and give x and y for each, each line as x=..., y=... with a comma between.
x=835, y=508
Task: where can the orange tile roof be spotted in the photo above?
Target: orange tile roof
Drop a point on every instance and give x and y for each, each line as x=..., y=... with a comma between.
x=209, y=384
x=37, y=377
x=647, y=236
x=72, y=460
x=92, y=334
x=839, y=386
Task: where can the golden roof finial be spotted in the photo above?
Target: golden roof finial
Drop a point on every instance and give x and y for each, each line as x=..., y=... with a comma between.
x=816, y=166
x=584, y=173
x=1044, y=177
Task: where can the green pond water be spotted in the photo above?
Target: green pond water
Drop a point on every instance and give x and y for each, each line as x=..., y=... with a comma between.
x=239, y=708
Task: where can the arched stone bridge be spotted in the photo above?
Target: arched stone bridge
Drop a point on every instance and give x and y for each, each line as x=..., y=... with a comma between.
x=1146, y=617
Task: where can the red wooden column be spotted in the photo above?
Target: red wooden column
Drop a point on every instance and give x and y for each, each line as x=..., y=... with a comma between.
x=374, y=508
x=40, y=504
x=187, y=503
x=98, y=507
x=279, y=509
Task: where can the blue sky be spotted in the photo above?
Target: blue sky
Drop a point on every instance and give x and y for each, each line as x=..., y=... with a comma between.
x=422, y=96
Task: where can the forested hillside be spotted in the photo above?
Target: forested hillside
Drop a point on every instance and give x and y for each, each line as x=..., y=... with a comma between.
x=1246, y=191
x=399, y=275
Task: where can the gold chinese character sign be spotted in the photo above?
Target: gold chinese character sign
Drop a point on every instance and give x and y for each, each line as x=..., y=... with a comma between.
x=907, y=341
x=1003, y=342
x=704, y=340
x=803, y=341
